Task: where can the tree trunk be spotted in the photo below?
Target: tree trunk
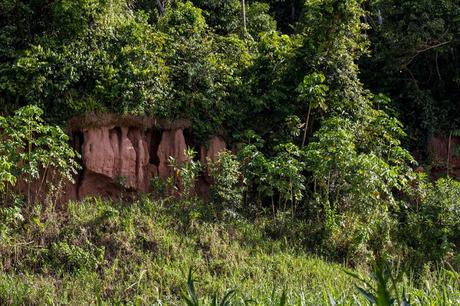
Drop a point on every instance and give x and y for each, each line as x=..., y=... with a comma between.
x=243, y=3
x=161, y=6
x=448, y=152
x=306, y=126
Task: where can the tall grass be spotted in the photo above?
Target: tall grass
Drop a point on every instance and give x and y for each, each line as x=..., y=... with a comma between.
x=98, y=252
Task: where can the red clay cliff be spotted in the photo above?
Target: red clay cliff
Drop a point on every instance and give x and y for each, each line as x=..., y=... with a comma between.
x=120, y=154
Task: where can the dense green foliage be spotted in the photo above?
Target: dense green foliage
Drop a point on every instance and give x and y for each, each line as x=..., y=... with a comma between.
x=415, y=60
x=31, y=150
x=432, y=221
x=136, y=56
x=316, y=97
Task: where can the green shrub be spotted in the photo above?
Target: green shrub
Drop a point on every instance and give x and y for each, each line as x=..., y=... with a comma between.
x=66, y=257
x=430, y=227
x=279, y=179
x=34, y=151
x=358, y=239
x=11, y=215
x=159, y=187
x=186, y=173
x=226, y=188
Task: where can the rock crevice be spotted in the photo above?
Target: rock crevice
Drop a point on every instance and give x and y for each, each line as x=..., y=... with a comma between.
x=120, y=155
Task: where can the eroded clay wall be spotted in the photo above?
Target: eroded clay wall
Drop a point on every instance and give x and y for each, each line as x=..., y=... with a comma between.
x=130, y=154
x=444, y=156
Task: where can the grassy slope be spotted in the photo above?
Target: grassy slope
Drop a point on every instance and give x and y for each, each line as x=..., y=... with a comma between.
x=100, y=252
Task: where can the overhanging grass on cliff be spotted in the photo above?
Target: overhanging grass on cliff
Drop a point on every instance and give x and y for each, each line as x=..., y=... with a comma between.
x=140, y=253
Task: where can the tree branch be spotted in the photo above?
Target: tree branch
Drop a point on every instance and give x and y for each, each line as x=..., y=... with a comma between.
x=161, y=7
x=417, y=52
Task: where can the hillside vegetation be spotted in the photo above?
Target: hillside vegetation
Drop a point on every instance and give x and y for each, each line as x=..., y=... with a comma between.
x=328, y=107
x=140, y=253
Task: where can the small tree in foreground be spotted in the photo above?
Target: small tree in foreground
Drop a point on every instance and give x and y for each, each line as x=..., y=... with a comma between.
x=34, y=152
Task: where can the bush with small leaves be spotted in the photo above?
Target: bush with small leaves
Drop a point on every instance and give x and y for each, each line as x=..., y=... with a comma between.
x=74, y=258
x=225, y=172
x=430, y=227
x=186, y=173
